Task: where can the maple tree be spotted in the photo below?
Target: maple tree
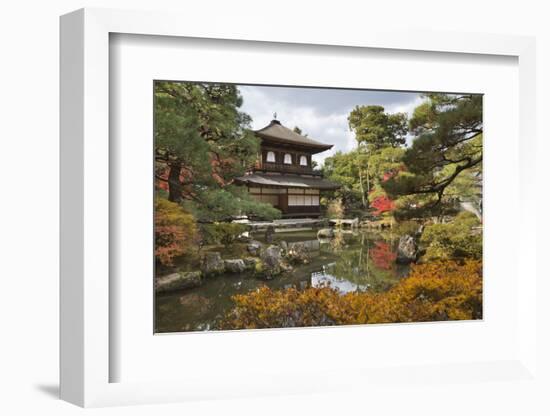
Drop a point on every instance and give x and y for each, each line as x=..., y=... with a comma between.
x=176, y=232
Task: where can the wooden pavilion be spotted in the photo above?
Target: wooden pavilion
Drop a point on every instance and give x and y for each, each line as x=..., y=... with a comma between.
x=284, y=176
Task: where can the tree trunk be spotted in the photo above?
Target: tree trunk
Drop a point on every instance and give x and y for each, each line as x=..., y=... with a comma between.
x=174, y=184
x=368, y=184
x=363, y=200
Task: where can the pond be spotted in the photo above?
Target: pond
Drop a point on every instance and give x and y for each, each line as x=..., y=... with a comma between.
x=349, y=262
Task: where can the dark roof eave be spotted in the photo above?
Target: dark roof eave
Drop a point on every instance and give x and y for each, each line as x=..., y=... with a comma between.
x=317, y=148
x=276, y=132
x=287, y=181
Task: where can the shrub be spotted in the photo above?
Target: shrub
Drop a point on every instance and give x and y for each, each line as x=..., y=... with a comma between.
x=175, y=231
x=335, y=209
x=437, y=291
x=222, y=232
x=406, y=227
x=454, y=240
x=433, y=292
x=382, y=204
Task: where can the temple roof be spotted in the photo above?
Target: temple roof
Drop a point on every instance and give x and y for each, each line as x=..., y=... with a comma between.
x=276, y=132
x=287, y=180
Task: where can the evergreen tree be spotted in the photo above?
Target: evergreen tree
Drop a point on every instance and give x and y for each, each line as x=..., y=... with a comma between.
x=202, y=143
x=445, y=159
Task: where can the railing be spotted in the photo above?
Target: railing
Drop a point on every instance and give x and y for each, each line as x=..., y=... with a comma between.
x=281, y=167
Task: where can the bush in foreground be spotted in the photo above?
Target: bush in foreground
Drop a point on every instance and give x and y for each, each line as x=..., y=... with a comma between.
x=175, y=231
x=455, y=240
x=437, y=291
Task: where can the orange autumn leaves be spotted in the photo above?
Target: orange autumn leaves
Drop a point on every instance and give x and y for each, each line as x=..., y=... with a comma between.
x=437, y=291
x=176, y=232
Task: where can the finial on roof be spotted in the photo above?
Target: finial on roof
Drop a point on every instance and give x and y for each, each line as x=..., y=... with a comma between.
x=275, y=116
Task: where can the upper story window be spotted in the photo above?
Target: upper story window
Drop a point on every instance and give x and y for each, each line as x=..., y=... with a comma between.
x=303, y=161
x=270, y=157
x=288, y=159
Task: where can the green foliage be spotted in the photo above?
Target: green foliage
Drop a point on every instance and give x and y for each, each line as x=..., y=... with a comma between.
x=202, y=143
x=175, y=232
x=222, y=232
x=406, y=227
x=444, y=161
x=225, y=203
x=343, y=168
x=433, y=292
x=335, y=209
x=457, y=239
x=360, y=174
x=376, y=129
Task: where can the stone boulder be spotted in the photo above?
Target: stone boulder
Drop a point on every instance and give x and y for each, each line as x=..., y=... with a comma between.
x=273, y=262
x=244, y=237
x=234, y=266
x=406, y=250
x=297, y=253
x=325, y=233
x=254, y=247
x=212, y=264
x=178, y=281
x=269, y=233
x=251, y=263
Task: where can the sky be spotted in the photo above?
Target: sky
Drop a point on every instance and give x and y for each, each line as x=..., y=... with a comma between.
x=320, y=113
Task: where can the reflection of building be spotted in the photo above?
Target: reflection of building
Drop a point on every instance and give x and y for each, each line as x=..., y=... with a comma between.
x=283, y=175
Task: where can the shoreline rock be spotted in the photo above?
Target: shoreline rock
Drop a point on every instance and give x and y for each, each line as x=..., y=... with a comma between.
x=234, y=266
x=178, y=281
x=254, y=247
x=407, y=250
x=213, y=264
x=325, y=233
x=298, y=254
x=272, y=263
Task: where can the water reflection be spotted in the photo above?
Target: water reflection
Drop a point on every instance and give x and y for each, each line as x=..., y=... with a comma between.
x=349, y=262
x=324, y=278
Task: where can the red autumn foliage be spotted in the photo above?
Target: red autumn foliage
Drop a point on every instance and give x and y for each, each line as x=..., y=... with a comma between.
x=382, y=255
x=176, y=232
x=382, y=204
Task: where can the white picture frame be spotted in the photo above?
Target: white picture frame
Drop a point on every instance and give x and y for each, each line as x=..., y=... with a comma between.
x=86, y=356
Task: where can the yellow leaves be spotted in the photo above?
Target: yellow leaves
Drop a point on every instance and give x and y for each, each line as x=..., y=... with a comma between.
x=175, y=231
x=433, y=292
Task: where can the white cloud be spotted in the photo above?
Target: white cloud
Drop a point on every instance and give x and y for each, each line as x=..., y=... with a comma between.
x=327, y=127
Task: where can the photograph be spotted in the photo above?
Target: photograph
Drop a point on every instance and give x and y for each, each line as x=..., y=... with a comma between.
x=297, y=206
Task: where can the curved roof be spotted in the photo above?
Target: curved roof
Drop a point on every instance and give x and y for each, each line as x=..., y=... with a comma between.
x=276, y=132
x=286, y=180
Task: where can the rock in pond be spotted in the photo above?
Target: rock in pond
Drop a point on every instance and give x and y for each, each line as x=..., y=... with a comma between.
x=251, y=263
x=273, y=263
x=254, y=247
x=234, y=266
x=269, y=232
x=178, y=281
x=325, y=233
x=213, y=264
x=406, y=250
x=298, y=254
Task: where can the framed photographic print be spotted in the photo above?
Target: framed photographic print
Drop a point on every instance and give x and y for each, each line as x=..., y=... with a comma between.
x=273, y=227
x=227, y=198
